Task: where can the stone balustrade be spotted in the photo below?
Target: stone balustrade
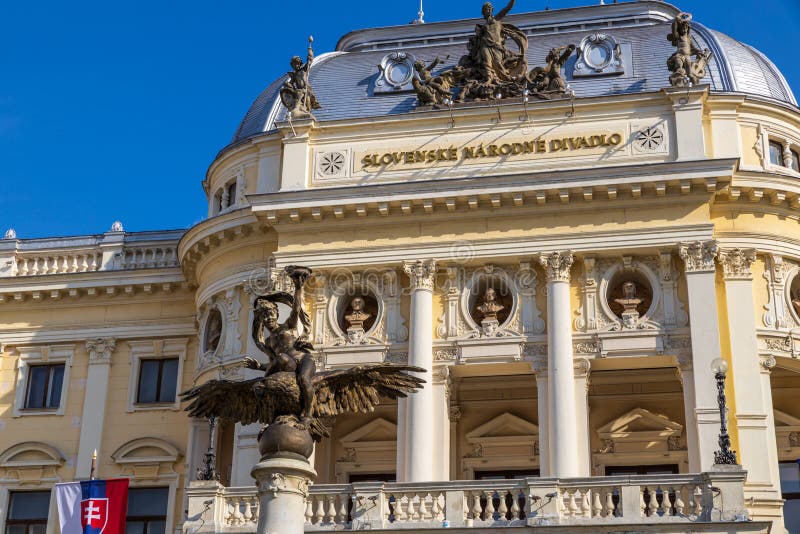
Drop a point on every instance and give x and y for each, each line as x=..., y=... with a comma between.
x=109, y=252
x=671, y=501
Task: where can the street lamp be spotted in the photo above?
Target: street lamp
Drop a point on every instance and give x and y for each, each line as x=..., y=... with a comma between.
x=724, y=456
x=208, y=471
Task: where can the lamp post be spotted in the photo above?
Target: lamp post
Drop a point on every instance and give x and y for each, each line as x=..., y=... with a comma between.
x=723, y=456
x=209, y=471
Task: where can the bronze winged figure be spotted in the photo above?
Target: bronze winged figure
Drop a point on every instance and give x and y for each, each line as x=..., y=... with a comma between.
x=292, y=392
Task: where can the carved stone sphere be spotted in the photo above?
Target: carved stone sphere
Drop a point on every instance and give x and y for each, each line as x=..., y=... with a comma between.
x=283, y=439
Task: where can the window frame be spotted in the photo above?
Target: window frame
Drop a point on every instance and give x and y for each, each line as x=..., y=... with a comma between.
x=48, y=389
x=31, y=356
x=159, y=379
x=5, y=504
x=147, y=519
x=155, y=350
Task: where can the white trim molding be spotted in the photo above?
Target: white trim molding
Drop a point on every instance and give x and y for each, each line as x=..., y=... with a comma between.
x=34, y=355
x=156, y=349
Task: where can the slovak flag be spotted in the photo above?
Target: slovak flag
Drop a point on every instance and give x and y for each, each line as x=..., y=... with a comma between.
x=93, y=506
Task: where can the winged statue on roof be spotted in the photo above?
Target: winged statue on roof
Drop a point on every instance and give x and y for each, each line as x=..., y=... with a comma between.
x=296, y=401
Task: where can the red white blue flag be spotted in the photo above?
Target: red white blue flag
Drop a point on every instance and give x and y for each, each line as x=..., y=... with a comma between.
x=93, y=506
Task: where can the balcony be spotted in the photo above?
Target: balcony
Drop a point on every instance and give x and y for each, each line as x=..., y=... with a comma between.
x=707, y=502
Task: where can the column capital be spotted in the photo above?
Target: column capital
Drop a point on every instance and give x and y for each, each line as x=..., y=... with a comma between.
x=557, y=265
x=767, y=363
x=736, y=263
x=100, y=349
x=581, y=367
x=698, y=257
x=422, y=273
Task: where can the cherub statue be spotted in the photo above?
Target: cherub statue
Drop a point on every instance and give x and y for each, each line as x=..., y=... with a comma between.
x=431, y=90
x=296, y=93
x=293, y=397
x=547, y=81
x=685, y=70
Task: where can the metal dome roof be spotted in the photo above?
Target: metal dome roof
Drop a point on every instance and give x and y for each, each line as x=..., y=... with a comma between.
x=344, y=81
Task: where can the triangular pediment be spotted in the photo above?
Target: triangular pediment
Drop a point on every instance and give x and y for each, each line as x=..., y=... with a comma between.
x=377, y=430
x=785, y=422
x=506, y=425
x=639, y=422
x=784, y=419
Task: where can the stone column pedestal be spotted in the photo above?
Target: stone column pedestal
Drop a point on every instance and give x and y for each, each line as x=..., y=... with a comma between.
x=282, y=492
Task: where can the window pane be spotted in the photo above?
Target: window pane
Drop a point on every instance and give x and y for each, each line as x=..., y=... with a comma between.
x=790, y=477
x=169, y=380
x=156, y=527
x=795, y=161
x=148, y=381
x=37, y=529
x=147, y=502
x=791, y=515
x=29, y=505
x=775, y=153
x=16, y=529
x=134, y=527
x=37, y=383
x=56, y=380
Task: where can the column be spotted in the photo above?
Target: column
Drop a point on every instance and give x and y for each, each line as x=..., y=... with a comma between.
x=560, y=374
x=686, y=375
x=700, y=271
x=539, y=367
x=753, y=397
x=94, y=404
x=582, y=367
x=419, y=426
x=402, y=439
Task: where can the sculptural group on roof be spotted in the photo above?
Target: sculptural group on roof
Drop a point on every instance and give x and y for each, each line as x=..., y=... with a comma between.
x=493, y=68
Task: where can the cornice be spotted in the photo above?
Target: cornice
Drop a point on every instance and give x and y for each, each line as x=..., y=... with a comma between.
x=506, y=191
x=93, y=284
x=147, y=329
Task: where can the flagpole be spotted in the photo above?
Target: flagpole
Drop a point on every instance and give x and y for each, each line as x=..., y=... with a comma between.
x=94, y=465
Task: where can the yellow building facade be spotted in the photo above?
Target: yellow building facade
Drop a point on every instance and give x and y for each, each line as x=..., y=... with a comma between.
x=632, y=233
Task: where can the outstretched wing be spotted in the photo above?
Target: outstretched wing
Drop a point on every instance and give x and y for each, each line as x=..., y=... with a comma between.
x=230, y=399
x=360, y=388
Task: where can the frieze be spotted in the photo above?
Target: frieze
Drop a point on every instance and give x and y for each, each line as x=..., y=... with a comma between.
x=589, y=347
x=446, y=354
x=521, y=148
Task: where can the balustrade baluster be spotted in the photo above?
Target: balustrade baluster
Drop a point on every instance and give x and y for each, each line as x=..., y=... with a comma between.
x=516, y=511
x=679, y=505
x=413, y=507
x=309, y=510
x=438, y=507
x=319, y=510
x=642, y=504
x=248, y=511
x=73, y=266
x=65, y=264
x=475, y=509
x=93, y=266
x=401, y=514
x=502, y=509
x=341, y=516
x=490, y=509
x=608, y=510
x=330, y=510
x=25, y=267
x=586, y=506
x=652, y=506
x=597, y=506
x=572, y=505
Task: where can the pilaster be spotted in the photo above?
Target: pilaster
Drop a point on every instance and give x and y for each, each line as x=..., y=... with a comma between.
x=687, y=108
x=296, y=153
x=751, y=379
x=94, y=403
x=539, y=367
x=582, y=367
x=441, y=425
x=700, y=269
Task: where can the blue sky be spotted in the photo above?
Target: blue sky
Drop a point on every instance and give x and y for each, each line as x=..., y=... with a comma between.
x=114, y=110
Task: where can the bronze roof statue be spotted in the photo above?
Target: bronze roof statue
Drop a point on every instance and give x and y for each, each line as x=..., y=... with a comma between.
x=296, y=93
x=688, y=64
x=294, y=399
x=493, y=69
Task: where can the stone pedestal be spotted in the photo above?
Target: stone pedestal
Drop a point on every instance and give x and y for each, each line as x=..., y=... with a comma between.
x=282, y=492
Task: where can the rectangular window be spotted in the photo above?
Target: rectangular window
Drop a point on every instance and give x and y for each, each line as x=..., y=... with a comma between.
x=795, y=161
x=790, y=487
x=147, y=511
x=158, y=381
x=776, y=153
x=27, y=512
x=44, y=386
